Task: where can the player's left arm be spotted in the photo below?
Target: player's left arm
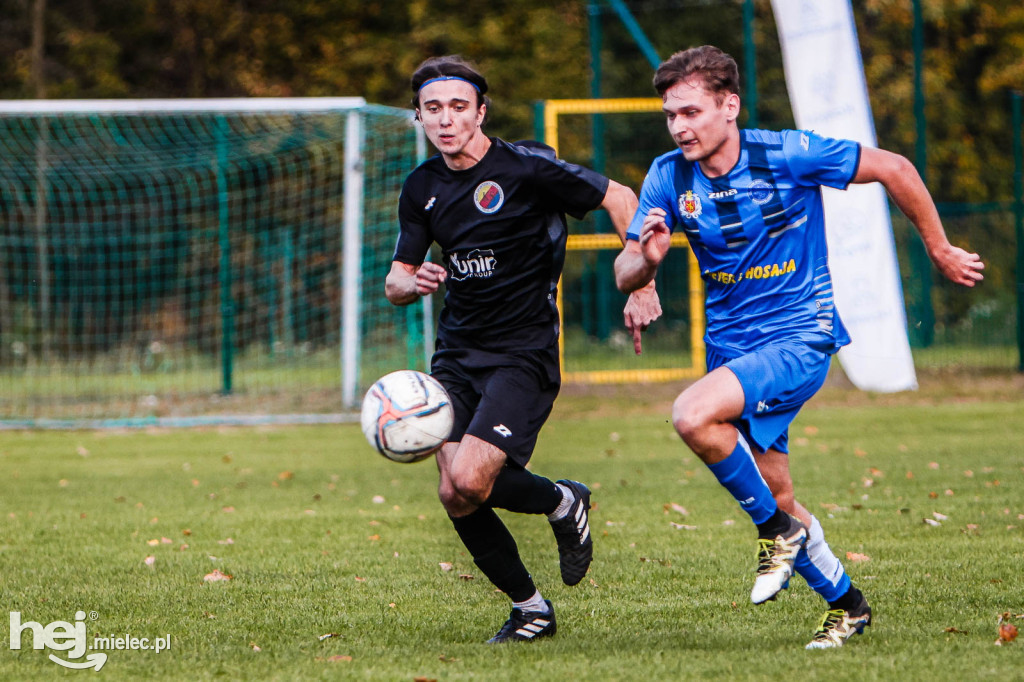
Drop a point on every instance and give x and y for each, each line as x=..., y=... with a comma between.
x=903, y=183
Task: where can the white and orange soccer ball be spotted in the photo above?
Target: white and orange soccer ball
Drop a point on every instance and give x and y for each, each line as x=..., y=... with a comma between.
x=407, y=416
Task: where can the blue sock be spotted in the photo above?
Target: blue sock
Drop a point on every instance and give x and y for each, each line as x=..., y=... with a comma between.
x=820, y=567
x=739, y=475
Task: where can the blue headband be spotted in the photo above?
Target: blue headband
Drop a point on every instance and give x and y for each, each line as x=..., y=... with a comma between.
x=447, y=78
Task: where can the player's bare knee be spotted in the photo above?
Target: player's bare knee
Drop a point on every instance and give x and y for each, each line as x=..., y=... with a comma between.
x=454, y=503
x=687, y=420
x=470, y=487
x=446, y=493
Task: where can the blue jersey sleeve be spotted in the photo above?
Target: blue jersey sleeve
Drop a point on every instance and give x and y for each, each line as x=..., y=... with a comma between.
x=816, y=160
x=658, y=191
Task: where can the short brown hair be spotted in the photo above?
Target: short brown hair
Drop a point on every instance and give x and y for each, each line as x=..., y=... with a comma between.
x=715, y=68
x=452, y=66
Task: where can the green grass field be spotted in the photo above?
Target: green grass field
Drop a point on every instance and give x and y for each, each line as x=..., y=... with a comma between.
x=321, y=536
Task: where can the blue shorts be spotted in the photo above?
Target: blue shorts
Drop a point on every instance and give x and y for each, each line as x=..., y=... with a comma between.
x=777, y=380
x=500, y=398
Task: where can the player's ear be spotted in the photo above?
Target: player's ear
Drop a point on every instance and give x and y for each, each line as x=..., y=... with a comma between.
x=481, y=114
x=732, y=106
x=416, y=115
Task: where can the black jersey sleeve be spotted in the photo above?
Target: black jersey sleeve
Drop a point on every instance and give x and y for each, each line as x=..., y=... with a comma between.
x=567, y=187
x=414, y=236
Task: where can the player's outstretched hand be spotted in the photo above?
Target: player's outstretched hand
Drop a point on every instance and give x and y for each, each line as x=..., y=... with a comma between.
x=429, y=277
x=655, y=237
x=958, y=265
x=642, y=308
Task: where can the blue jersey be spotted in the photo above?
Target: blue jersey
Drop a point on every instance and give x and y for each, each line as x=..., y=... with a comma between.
x=759, y=236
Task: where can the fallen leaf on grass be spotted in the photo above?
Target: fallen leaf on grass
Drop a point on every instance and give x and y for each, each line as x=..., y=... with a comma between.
x=216, y=576
x=255, y=646
x=857, y=557
x=1007, y=632
x=672, y=506
x=378, y=499
x=149, y=561
x=939, y=517
x=153, y=543
x=328, y=636
x=445, y=566
x=681, y=526
x=424, y=679
x=360, y=580
x=447, y=659
x=465, y=576
x=956, y=631
x=932, y=522
x=337, y=659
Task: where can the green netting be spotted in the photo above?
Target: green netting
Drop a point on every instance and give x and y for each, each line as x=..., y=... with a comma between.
x=188, y=263
x=952, y=326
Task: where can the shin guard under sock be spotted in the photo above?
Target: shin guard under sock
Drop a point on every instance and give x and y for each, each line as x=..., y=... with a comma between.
x=518, y=490
x=495, y=553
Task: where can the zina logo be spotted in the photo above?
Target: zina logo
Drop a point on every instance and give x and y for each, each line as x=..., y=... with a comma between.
x=59, y=636
x=476, y=263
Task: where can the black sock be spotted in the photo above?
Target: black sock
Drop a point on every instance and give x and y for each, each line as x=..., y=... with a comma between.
x=520, y=491
x=495, y=553
x=777, y=524
x=849, y=601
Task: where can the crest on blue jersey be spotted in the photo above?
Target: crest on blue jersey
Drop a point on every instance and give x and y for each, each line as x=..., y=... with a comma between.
x=689, y=205
x=488, y=196
x=761, y=192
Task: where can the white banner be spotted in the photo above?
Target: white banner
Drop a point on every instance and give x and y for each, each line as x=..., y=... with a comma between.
x=825, y=79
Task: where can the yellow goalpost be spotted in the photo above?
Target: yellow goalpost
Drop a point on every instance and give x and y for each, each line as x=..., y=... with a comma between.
x=589, y=242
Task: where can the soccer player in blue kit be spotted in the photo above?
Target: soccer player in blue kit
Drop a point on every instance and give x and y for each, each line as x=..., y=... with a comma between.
x=749, y=202
x=497, y=212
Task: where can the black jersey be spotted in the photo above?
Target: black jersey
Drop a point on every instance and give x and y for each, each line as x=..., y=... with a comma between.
x=501, y=228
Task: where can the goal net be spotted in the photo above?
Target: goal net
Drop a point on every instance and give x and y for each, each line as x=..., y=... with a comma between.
x=169, y=259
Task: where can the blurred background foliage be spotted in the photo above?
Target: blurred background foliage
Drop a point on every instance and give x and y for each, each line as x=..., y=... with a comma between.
x=529, y=50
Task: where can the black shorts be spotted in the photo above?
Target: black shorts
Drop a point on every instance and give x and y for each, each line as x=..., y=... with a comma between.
x=501, y=398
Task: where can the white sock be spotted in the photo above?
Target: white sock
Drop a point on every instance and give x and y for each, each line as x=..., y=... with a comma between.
x=562, y=510
x=534, y=604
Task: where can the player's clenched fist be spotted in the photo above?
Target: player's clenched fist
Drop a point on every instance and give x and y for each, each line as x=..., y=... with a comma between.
x=655, y=237
x=429, y=277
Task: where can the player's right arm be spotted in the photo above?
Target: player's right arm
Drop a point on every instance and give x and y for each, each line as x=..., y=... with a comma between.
x=638, y=262
x=406, y=283
x=411, y=276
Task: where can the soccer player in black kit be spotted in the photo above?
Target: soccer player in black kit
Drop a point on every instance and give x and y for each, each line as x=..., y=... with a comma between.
x=497, y=212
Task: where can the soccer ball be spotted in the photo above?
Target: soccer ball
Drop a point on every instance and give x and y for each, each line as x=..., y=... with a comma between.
x=407, y=416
